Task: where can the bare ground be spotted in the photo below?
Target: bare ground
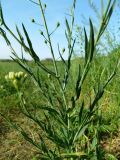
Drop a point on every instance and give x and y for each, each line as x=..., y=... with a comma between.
x=14, y=147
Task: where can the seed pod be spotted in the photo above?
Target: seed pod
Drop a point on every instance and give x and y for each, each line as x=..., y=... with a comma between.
x=58, y=24
x=33, y=21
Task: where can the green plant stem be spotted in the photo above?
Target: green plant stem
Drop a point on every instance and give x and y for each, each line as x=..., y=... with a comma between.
x=48, y=35
x=8, y=29
x=63, y=93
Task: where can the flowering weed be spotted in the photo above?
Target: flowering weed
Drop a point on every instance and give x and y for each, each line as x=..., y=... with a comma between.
x=69, y=121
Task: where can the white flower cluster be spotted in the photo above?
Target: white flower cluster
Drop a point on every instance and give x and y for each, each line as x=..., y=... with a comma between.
x=16, y=78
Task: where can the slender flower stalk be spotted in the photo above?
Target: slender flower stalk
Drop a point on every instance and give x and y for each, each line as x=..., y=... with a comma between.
x=48, y=35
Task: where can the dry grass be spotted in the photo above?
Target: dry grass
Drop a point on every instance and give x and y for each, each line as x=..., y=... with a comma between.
x=14, y=147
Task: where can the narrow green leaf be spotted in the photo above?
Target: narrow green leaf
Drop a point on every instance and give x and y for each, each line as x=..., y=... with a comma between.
x=3, y=34
x=61, y=56
x=20, y=35
x=77, y=88
x=48, y=109
x=44, y=148
x=86, y=46
x=33, y=54
x=81, y=111
x=2, y=22
x=91, y=41
x=108, y=16
x=68, y=27
x=70, y=55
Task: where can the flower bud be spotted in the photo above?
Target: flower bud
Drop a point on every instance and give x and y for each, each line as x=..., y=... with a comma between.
x=45, y=6
x=63, y=50
x=58, y=24
x=33, y=21
x=41, y=33
x=45, y=42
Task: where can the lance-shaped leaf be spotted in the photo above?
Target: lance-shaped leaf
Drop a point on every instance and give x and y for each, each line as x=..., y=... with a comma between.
x=110, y=11
x=44, y=148
x=97, y=97
x=53, y=134
x=2, y=22
x=68, y=27
x=20, y=35
x=63, y=60
x=78, y=88
x=74, y=3
x=3, y=34
x=32, y=52
x=70, y=54
x=91, y=41
x=81, y=111
x=86, y=46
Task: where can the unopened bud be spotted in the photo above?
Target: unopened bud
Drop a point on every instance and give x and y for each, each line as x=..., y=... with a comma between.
x=41, y=33
x=63, y=50
x=45, y=42
x=58, y=24
x=33, y=21
x=45, y=5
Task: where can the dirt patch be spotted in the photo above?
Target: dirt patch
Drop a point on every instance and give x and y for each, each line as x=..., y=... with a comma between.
x=13, y=146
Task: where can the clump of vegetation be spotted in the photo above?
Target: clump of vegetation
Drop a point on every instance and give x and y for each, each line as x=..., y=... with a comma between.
x=17, y=79
x=71, y=123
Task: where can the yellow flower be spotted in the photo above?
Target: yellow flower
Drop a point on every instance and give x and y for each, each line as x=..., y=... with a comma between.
x=11, y=75
x=6, y=77
x=15, y=83
x=1, y=87
x=16, y=75
x=20, y=74
x=25, y=75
